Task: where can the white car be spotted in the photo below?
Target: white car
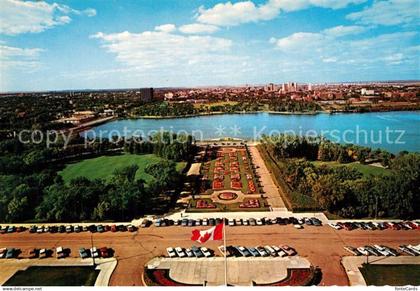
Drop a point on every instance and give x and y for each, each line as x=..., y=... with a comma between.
x=262, y=251
x=352, y=250
x=259, y=221
x=94, y=252
x=245, y=221
x=231, y=222
x=205, y=222
x=171, y=252
x=180, y=252
x=297, y=226
x=40, y=229
x=363, y=251
x=3, y=252
x=205, y=252
x=189, y=253
x=335, y=226
x=238, y=221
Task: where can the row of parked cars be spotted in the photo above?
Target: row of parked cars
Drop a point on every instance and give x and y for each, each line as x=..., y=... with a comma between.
x=78, y=228
x=381, y=250
x=259, y=251
x=406, y=225
x=9, y=253
x=239, y=221
x=193, y=252
x=95, y=252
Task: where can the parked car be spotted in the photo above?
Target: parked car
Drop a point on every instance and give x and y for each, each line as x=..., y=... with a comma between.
x=189, y=253
x=238, y=221
x=254, y=252
x=262, y=251
x=198, y=222
x=33, y=229
x=94, y=252
x=3, y=252
x=44, y=253
x=243, y=251
x=205, y=252
x=197, y=252
x=180, y=252
x=171, y=252
x=59, y=251
x=245, y=221
x=212, y=221
x=271, y=251
x=252, y=222
x=145, y=223
x=205, y=222
x=131, y=228
x=83, y=253
x=289, y=250
x=259, y=222
x=352, y=250
x=191, y=222
x=33, y=253
x=104, y=252
x=114, y=228
x=231, y=222
x=10, y=253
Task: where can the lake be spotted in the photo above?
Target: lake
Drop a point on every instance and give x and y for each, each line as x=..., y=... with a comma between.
x=393, y=131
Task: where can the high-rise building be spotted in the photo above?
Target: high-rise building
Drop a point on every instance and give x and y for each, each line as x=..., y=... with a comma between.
x=146, y=94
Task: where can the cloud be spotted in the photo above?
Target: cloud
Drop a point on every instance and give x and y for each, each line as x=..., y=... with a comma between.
x=33, y=17
x=19, y=58
x=392, y=12
x=231, y=14
x=166, y=28
x=333, y=46
x=197, y=28
x=162, y=49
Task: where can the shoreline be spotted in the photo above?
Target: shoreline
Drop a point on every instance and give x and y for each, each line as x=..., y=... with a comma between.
x=263, y=111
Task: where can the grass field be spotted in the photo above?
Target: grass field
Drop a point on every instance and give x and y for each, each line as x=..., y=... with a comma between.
x=54, y=276
x=393, y=275
x=103, y=167
x=364, y=169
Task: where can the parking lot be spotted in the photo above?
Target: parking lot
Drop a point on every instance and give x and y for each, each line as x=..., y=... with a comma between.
x=323, y=246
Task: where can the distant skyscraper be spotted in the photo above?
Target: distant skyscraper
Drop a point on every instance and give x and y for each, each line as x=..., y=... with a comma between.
x=146, y=94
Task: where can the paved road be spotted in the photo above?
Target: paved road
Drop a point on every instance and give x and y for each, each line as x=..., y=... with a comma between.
x=322, y=246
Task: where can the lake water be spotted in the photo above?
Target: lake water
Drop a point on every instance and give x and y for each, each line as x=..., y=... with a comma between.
x=393, y=131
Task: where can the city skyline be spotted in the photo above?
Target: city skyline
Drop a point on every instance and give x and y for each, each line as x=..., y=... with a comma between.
x=91, y=44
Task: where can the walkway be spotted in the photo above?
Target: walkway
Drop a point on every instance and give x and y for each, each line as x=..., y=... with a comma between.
x=240, y=271
x=269, y=187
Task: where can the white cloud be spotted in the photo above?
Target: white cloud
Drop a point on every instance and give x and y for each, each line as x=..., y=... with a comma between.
x=341, y=30
x=166, y=28
x=331, y=46
x=19, y=58
x=392, y=12
x=32, y=17
x=231, y=14
x=197, y=28
x=158, y=49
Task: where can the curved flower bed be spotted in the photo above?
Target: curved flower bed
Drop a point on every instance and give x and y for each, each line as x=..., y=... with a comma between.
x=160, y=277
x=295, y=277
x=227, y=196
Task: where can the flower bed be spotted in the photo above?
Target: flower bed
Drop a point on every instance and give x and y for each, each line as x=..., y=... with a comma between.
x=251, y=203
x=217, y=185
x=236, y=185
x=227, y=196
x=201, y=204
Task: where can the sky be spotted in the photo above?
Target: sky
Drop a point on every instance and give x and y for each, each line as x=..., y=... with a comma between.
x=94, y=44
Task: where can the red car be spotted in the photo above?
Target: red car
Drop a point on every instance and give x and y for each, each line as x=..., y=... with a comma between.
x=113, y=228
x=104, y=252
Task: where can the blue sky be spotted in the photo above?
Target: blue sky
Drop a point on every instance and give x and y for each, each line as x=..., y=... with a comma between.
x=78, y=44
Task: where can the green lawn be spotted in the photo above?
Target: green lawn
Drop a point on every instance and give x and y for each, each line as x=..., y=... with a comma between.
x=364, y=169
x=103, y=167
x=54, y=276
x=393, y=275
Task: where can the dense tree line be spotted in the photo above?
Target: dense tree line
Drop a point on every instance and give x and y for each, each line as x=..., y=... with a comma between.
x=317, y=148
x=344, y=190
x=293, y=106
x=31, y=189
